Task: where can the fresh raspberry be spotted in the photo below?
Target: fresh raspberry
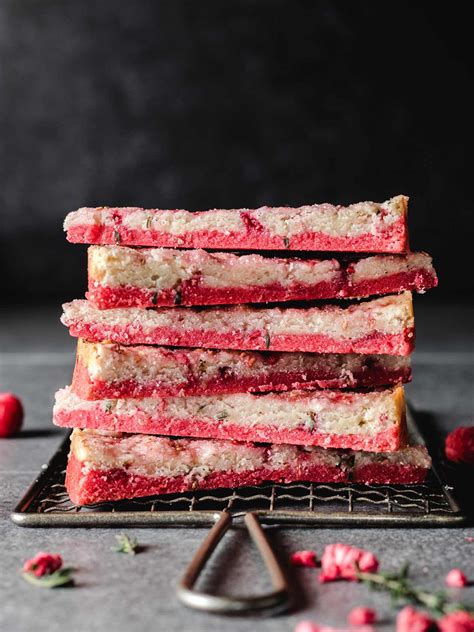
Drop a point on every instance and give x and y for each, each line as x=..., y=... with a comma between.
x=456, y=578
x=361, y=616
x=339, y=561
x=411, y=620
x=459, y=445
x=304, y=558
x=458, y=621
x=43, y=564
x=11, y=414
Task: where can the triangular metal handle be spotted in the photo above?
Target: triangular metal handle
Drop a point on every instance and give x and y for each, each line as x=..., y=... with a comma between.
x=277, y=601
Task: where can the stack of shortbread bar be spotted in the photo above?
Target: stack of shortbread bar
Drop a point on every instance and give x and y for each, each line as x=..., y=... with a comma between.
x=226, y=348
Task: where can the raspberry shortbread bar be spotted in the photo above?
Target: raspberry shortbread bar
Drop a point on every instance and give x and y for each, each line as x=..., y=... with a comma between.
x=373, y=420
x=110, y=370
x=386, y=274
x=407, y=465
x=115, y=466
x=108, y=466
x=380, y=326
x=150, y=277
x=361, y=227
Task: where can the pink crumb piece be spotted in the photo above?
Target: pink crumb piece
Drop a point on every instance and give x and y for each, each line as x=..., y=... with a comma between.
x=361, y=615
x=43, y=564
x=458, y=621
x=339, y=561
x=304, y=558
x=411, y=620
x=456, y=578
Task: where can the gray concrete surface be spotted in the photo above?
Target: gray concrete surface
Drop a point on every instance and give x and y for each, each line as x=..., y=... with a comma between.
x=118, y=592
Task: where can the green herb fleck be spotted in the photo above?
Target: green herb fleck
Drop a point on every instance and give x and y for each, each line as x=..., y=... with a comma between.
x=116, y=236
x=178, y=297
x=154, y=298
x=267, y=340
x=286, y=241
x=222, y=415
x=201, y=407
x=310, y=423
x=125, y=544
x=148, y=221
x=61, y=577
x=108, y=407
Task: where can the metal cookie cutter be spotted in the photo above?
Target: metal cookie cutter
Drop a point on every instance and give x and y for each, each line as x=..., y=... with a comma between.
x=278, y=600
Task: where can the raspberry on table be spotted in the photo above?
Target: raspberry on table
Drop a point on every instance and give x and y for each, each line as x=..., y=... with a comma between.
x=456, y=578
x=11, y=414
x=411, y=620
x=459, y=621
x=361, y=615
x=459, y=445
x=304, y=558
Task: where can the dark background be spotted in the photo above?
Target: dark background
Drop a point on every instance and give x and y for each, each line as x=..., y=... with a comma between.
x=229, y=103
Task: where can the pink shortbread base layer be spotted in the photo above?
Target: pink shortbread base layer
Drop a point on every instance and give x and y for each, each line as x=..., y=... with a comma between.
x=97, y=419
x=89, y=388
x=376, y=343
x=391, y=240
x=104, y=297
x=115, y=484
x=385, y=474
x=192, y=293
x=416, y=280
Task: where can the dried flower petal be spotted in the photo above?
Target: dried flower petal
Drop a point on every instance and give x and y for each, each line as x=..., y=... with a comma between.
x=411, y=620
x=456, y=578
x=43, y=564
x=361, y=615
x=304, y=558
x=340, y=561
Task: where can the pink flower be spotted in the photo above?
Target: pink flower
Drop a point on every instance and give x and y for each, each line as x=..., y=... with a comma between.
x=456, y=579
x=411, y=620
x=361, y=616
x=304, y=558
x=339, y=561
x=307, y=626
x=43, y=564
x=457, y=622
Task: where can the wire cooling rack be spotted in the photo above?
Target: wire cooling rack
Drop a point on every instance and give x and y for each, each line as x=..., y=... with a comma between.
x=47, y=503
